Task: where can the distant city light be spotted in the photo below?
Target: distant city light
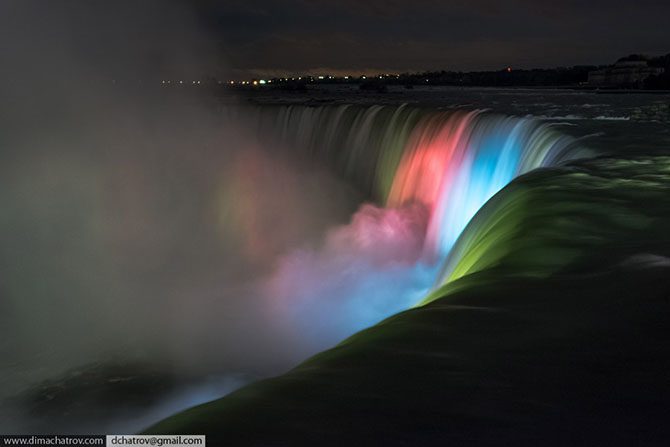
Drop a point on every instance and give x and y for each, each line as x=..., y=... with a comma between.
x=262, y=82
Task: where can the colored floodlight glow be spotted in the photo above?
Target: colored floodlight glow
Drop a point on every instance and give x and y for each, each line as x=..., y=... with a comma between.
x=432, y=173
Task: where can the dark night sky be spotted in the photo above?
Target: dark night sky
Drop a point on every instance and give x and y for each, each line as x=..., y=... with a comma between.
x=242, y=37
x=394, y=35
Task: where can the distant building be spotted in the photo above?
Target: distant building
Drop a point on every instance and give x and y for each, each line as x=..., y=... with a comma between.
x=624, y=73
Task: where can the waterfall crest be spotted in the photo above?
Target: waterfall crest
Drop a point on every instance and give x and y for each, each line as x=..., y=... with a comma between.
x=451, y=162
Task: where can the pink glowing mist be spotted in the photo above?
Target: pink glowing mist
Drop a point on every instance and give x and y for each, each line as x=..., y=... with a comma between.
x=363, y=270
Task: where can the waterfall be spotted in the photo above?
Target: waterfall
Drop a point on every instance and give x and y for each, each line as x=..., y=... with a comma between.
x=426, y=173
x=452, y=162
